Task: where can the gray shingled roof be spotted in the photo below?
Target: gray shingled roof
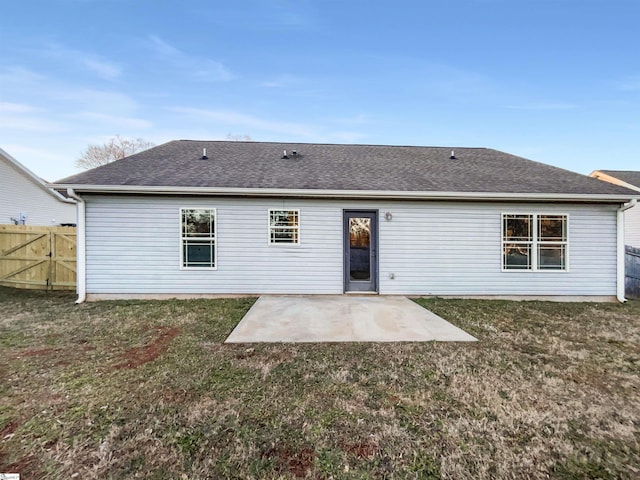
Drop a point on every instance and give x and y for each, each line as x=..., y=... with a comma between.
x=259, y=165
x=630, y=177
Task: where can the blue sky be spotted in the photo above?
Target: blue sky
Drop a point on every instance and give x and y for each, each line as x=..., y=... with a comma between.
x=556, y=81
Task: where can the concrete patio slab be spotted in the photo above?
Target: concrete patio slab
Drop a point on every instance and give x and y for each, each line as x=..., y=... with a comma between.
x=339, y=318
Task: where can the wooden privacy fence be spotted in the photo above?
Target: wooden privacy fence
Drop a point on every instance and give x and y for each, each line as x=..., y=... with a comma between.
x=632, y=272
x=38, y=257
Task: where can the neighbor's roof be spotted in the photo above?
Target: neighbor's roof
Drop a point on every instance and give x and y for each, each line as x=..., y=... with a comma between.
x=32, y=177
x=630, y=177
x=361, y=169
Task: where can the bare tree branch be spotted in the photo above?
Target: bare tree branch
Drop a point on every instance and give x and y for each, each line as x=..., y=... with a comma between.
x=114, y=149
x=238, y=138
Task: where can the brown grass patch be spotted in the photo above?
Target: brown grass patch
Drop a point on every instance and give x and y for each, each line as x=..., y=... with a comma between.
x=25, y=466
x=360, y=449
x=298, y=462
x=38, y=352
x=137, y=356
x=9, y=428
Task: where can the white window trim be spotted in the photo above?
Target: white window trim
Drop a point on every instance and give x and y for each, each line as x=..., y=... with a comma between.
x=535, y=243
x=283, y=244
x=215, y=240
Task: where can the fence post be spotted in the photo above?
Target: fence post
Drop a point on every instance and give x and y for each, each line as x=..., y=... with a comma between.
x=51, y=280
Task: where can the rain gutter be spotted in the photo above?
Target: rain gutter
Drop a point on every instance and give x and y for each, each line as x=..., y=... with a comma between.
x=359, y=194
x=81, y=270
x=620, y=287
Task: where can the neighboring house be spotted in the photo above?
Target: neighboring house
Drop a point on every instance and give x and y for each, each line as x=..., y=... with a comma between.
x=632, y=216
x=198, y=217
x=26, y=199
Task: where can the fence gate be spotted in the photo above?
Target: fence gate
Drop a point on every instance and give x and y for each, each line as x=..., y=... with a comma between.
x=38, y=257
x=632, y=272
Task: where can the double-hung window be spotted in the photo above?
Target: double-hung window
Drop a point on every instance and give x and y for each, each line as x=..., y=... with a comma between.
x=284, y=226
x=534, y=242
x=198, y=227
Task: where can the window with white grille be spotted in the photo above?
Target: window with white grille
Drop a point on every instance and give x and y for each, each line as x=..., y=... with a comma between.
x=284, y=227
x=198, y=228
x=534, y=242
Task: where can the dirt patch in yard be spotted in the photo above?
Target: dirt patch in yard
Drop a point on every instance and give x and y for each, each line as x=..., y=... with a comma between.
x=25, y=466
x=38, y=352
x=138, y=356
x=298, y=463
x=56, y=356
x=9, y=428
x=360, y=449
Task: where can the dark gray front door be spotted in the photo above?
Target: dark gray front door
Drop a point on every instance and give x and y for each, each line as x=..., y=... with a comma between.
x=360, y=251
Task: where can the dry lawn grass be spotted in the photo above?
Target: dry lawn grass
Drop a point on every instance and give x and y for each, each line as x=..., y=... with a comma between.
x=146, y=389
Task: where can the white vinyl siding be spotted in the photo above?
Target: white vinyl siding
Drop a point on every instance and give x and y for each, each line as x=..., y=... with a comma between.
x=20, y=194
x=427, y=248
x=133, y=246
x=632, y=226
x=449, y=249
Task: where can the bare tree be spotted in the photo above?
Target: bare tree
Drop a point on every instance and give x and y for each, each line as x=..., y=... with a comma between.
x=116, y=148
x=238, y=138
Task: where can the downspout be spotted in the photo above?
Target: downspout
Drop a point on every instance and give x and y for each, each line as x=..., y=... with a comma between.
x=81, y=270
x=620, y=249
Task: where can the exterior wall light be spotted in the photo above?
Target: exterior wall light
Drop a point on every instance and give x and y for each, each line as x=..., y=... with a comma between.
x=388, y=216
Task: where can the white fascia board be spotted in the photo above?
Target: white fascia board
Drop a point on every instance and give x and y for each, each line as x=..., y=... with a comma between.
x=355, y=194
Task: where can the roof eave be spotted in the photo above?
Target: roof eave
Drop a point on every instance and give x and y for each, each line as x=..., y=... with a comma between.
x=360, y=194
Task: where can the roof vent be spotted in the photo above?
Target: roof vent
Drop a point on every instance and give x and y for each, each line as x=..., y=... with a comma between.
x=294, y=154
x=204, y=154
x=453, y=155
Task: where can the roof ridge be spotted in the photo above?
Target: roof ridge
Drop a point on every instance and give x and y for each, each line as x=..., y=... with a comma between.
x=337, y=144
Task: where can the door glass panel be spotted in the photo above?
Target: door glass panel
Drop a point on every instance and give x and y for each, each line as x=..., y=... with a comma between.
x=360, y=248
